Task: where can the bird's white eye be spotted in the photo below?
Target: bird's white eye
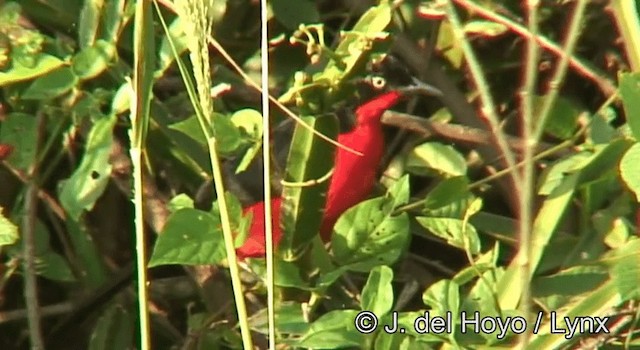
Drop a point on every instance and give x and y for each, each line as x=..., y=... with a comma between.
x=378, y=82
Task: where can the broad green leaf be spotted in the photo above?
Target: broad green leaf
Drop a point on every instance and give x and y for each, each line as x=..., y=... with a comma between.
x=630, y=169
x=443, y=296
x=333, y=330
x=52, y=85
x=394, y=341
x=630, y=93
x=377, y=294
x=43, y=65
x=293, y=13
x=481, y=297
x=191, y=128
x=249, y=121
x=600, y=130
x=89, y=180
x=368, y=235
x=228, y=138
x=548, y=218
x=624, y=265
x=20, y=131
x=597, y=303
x=190, y=237
x=605, y=159
x=563, y=118
x=430, y=156
x=8, y=231
x=289, y=319
x=446, y=191
x=556, y=290
x=453, y=231
x=114, y=329
x=91, y=269
x=53, y=266
x=180, y=201
x=93, y=60
x=554, y=175
x=308, y=160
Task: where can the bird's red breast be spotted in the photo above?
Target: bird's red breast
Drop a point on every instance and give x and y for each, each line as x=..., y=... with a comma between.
x=353, y=179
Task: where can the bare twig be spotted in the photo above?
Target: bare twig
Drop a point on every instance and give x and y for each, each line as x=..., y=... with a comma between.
x=605, y=85
x=45, y=311
x=457, y=133
x=29, y=248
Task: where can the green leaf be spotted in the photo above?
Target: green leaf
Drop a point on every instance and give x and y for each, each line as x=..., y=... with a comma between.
x=367, y=235
x=289, y=319
x=630, y=93
x=446, y=192
x=333, y=330
x=436, y=156
x=554, y=175
x=386, y=341
x=43, y=65
x=443, y=296
x=89, y=21
x=630, y=168
x=190, y=237
x=180, y=201
x=454, y=231
x=8, y=231
x=112, y=18
x=51, y=85
x=484, y=28
x=563, y=118
x=166, y=55
x=88, y=182
x=625, y=269
x=53, y=266
x=93, y=60
x=556, y=290
x=377, y=294
x=600, y=129
x=293, y=13
x=20, y=131
x=249, y=121
x=114, y=330
x=227, y=135
x=449, y=45
x=309, y=159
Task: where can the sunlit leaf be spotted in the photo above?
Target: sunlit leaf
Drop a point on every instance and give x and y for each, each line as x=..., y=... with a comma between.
x=90, y=179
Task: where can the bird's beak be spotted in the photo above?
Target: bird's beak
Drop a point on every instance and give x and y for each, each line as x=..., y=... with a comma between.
x=418, y=87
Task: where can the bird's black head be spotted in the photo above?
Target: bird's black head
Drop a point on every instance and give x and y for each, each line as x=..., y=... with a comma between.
x=388, y=74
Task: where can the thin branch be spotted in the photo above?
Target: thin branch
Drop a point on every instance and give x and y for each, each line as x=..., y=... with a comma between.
x=605, y=85
x=45, y=311
x=558, y=77
x=528, y=171
x=462, y=134
x=29, y=248
x=487, y=108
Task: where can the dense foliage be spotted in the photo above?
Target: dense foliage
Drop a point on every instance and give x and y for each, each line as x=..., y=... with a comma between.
x=514, y=195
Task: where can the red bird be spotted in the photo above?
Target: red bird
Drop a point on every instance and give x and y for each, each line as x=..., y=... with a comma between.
x=353, y=178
